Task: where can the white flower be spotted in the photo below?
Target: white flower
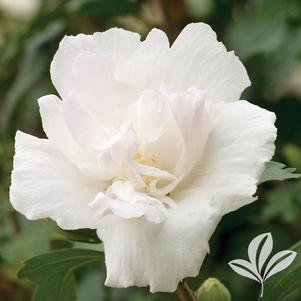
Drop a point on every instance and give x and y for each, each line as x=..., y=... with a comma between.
x=150, y=146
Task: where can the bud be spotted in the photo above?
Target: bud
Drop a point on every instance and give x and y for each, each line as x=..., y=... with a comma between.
x=213, y=290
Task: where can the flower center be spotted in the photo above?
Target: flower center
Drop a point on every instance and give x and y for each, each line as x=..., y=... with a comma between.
x=146, y=160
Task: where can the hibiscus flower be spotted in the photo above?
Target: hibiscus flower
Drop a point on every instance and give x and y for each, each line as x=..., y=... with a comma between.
x=149, y=144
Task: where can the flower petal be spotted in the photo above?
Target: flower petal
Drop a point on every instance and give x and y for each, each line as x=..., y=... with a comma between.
x=93, y=134
x=157, y=130
x=240, y=144
x=178, y=119
x=55, y=126
x=199, y=60
x=115, y=156
x=140, y=253
x=93, y=82
x=123, y=201
x=145, y=68
x=61, y=124
x=117, y=43
x=45, y=184
x=193, y=121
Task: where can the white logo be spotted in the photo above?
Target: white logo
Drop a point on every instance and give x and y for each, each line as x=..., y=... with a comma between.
x=259, y=250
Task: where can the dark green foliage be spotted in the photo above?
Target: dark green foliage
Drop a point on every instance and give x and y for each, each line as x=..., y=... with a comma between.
x=81, y=235
x=265, y=34
x=286, y=286
x=54, y=275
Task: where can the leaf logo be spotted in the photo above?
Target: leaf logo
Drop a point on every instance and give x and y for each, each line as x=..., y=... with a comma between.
x=259, y=268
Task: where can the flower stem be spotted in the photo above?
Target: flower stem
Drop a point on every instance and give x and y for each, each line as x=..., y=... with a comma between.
x=184, y=293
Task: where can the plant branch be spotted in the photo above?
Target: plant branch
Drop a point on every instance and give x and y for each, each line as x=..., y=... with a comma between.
x=13, y=221
x=184, y=293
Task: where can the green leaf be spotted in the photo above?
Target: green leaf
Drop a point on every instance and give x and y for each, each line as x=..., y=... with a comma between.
x=82, y=235
x=89, y=288
x=292, y=154
x=286, y=286
x=53, y=273
x=28, y=243
x=281, y=65
x=260, y=28
x=275, y=171
x=28, y=77
x=283, y=203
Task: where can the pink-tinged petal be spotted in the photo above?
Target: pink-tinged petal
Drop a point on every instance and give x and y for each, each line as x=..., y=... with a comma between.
x=190, y=112
x=115, y=156
x=157, y=130
x=85, y=129
x=45, y=184
x=92, y=81
x=180, y=120
x=238, y=148
x=63, y=124
x=160, y=256
x=198, y=59
x=116, y=43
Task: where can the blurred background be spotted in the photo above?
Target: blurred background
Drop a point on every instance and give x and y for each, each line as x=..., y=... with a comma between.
x=265, y=34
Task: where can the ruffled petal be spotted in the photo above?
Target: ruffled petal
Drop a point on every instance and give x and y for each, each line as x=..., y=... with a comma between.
x=116, y=43
x=94, y=134
x=93, y=82
x=123, y=201
x=146, y=67
x=191, y=115
x=141, y=254
x=180, y=120
x=240, y=144
x=45, y=184
x=63, y=124
x=157, y=130
x=54, y=124
x=198, y=59
x=116, y=155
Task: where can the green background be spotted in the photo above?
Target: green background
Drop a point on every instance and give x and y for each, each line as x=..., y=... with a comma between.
x=266, y=35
